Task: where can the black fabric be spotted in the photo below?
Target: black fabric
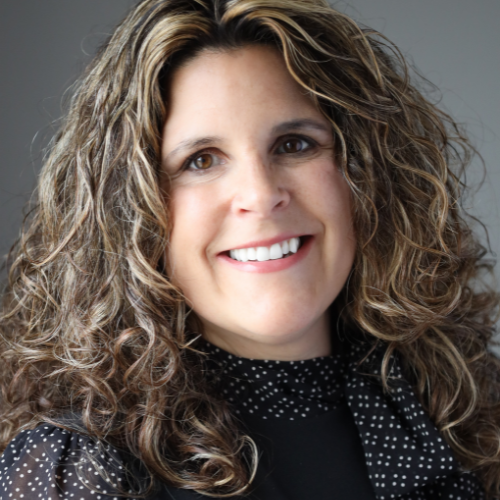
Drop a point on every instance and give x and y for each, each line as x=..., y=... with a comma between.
x=325, y=449
x=348, y=438
x=321, y=458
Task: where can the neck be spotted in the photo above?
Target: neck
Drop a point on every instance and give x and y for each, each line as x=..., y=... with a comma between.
x=312, y=342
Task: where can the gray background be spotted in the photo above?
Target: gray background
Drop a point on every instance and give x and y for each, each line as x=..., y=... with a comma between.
x=46, y=43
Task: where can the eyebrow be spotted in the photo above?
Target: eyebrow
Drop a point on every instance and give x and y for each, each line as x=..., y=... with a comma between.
x=281, y=128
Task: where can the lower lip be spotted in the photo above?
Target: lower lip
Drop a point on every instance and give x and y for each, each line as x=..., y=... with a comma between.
x=270, y=266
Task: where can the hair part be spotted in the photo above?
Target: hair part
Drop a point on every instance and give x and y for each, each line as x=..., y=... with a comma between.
x=91, y=322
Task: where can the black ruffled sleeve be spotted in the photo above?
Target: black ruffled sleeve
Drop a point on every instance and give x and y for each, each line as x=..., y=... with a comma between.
x=50, y=463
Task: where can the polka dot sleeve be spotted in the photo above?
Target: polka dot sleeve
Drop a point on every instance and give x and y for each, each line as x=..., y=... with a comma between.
x=50, y=463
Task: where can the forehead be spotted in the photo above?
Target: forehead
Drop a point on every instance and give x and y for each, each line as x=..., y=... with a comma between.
x=249, y=76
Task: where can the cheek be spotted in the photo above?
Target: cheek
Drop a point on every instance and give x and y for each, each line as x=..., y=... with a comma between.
x=328, y=195
x=329, y=198
x=193, y=227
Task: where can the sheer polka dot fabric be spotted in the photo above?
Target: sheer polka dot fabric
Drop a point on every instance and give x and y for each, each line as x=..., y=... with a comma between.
x=405, y=455
x=49, y=463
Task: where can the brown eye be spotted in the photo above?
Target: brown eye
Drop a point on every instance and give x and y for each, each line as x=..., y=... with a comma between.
x=203, y=161
x=292, y=146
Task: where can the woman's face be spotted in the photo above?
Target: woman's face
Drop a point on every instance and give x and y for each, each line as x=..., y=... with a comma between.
x=251, y=165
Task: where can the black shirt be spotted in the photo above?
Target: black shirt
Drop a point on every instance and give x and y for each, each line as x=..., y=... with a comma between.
x=324, y=427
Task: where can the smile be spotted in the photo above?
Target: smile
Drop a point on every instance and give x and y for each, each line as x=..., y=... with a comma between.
x=270, y=262
x=261, y=254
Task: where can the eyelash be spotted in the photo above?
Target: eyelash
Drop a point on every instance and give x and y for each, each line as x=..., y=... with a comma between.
x=191, y=158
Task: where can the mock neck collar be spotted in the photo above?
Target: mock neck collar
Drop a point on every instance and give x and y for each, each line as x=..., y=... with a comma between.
x=272, y=389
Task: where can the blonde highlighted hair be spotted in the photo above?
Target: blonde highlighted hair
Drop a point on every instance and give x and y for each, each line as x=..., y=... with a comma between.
x=91, y=322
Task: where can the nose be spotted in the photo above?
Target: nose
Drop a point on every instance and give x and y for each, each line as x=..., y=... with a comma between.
x=259, y=188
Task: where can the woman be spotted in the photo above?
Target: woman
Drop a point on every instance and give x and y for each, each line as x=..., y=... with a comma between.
x=248, y=273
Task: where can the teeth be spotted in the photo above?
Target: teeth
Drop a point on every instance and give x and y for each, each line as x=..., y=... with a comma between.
x=276, y=252
x=243, y=255
x=285, y=247
x=261, y=254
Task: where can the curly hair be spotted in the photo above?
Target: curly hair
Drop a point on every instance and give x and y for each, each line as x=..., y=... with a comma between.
x=91, y=322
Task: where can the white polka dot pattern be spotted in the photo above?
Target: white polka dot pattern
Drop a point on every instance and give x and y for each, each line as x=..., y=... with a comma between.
x=278, y=389
x=405, y=454
x=49, y=463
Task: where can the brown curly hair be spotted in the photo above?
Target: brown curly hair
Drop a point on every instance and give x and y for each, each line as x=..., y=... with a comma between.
x=91, y=322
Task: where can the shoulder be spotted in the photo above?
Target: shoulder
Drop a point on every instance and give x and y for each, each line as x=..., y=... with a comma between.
x=50, y=460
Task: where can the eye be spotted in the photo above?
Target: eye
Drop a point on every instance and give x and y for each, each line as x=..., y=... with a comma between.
x=294, y=145
x=202, y=160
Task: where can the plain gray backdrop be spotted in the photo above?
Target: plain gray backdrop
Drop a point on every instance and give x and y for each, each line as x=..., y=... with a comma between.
x=46, y=43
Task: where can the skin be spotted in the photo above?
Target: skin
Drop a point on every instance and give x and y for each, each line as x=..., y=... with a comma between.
x=255, y=182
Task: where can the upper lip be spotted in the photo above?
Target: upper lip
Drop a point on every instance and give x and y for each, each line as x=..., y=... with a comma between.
x=266, y=243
